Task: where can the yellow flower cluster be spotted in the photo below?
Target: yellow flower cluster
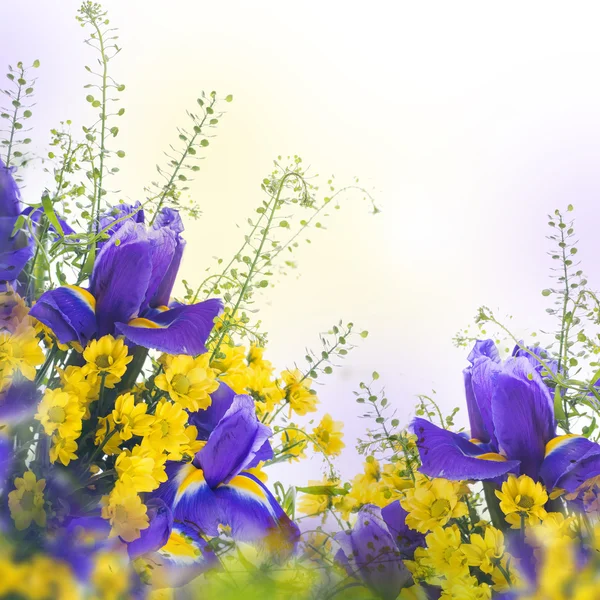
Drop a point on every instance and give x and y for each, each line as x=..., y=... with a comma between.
x=39, y=578
x=107, y=359
x=26, y=501
x=189, y=381
x=522, y=501
x=302, y=399
x=20, y=352
x=433, y=502
x=446, y=558
x=328, y=436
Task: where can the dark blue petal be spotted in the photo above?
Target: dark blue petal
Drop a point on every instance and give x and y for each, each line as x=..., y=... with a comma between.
x=121, y=275
x=254, y=515
x=483, y=374
x=18, y=401
x=169, y=218
x=407, y=539
x=69, y=311
x=523, y=414
x=570, y=462
x=186, y=556
x=478, y=429
x=538, y=351
x=180, y=330
x=10, y=206
x=6, y=459
x=206, y=420
x=370, y=554
x=113, y=219
x=162, y=251
x=233, y=444
x=449, y=455
x=78, y=542
x=15, y=250
x=163, y=291
x=155, y=536
x=484, y=348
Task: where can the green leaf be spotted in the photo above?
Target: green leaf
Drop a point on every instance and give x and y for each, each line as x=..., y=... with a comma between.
x=18, y=224
x=559, y=412
x=51, y=215
x=36, y=64
x=229, y=98
x=322, y=490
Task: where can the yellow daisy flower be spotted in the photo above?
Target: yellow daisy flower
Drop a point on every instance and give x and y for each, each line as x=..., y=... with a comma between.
x=135, y=471
x=108, y=358
x=328, y=435
x=63, y=450
x=26, y=501
x=189, y=381
x=125, y=512
x=431, y=503
x=294, y=444
x=131, y=418
x=522, y=499
x=61, y=412
x=168, y=430
x=444, y=553
x=485, y=551
x=105, y=429
x=298, y=393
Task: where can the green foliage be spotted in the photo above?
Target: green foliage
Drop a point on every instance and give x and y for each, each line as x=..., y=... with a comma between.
x=183, y=161
x=15, y=114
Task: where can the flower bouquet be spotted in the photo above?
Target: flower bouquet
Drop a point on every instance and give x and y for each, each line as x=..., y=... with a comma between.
x=138, y=425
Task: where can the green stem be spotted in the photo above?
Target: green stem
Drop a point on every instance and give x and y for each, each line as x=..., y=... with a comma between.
x=14, y=120
x=257, y=255
x=179, y=164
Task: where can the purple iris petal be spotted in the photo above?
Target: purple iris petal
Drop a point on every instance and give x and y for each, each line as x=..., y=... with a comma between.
x=206, y=420
x=233, y=444
x=10, y=205
x=162, y=250
x=36, y=215
x=407, y=539
x=169, y=218
x=253, y=514
x=155, y=536
x=173, y=570
x=369, y=552
x=15, y=250
x=78, y=543
x=523, y=414
x=449, y=455
x=163, y=291
x=485, y=348
x=180, y=330
x=18, y=401
x=478, y=429
x=67, y=311
x=571, y=463
x=482, y=381
x=121, y=276
x=538, y=351
x=6, y=458
x=113, y=219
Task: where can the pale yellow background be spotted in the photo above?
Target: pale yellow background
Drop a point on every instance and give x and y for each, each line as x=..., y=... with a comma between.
x=469, y=120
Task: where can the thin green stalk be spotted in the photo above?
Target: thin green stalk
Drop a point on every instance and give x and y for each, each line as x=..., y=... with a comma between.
x=14, y=121
x=257, y=255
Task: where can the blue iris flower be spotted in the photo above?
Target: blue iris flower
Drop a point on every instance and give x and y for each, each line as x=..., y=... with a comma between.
x=217, y=487
x=369, y=551
x=15, y=250
x=513, y=429
x=129, y=290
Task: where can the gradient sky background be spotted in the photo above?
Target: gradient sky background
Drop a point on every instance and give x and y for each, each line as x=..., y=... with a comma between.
x=470, y=121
